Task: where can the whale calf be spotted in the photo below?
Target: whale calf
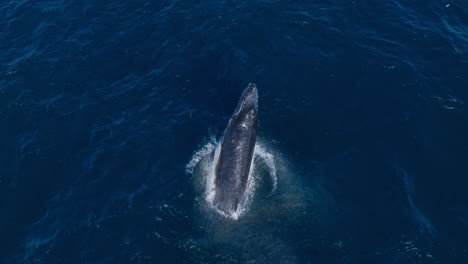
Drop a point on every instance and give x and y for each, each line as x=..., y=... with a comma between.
x=234, y=154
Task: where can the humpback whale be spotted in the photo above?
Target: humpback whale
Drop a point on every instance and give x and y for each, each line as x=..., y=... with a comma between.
x=234, y=153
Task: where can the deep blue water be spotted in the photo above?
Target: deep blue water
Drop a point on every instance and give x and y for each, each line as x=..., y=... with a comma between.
x=362, y=105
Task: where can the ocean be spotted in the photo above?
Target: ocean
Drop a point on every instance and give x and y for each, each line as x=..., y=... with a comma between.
x=110, y=110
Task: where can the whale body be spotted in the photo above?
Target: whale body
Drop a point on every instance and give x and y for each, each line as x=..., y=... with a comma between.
x=235, y=151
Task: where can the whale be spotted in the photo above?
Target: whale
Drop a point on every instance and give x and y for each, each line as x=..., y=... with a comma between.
x=234, y=153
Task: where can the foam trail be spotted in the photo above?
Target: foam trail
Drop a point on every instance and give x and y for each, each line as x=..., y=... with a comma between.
x=424, y=222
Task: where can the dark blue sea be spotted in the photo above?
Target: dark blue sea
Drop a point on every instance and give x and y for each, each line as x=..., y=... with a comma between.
x=109, y=111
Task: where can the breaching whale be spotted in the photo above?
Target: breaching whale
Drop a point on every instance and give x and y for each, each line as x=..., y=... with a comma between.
x=234, y=154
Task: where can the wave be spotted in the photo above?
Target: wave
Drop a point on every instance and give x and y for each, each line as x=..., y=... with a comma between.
x=425, y=224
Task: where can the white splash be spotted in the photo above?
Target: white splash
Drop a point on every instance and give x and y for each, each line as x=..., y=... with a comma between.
x=210, y=177
x=199, y=155
x=207, y=171
x=269, y=160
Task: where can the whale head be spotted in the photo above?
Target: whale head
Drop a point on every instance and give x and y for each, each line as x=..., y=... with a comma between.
x=248, y=101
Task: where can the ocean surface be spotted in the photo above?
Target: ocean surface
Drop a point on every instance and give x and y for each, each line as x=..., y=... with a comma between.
x=109, y=112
